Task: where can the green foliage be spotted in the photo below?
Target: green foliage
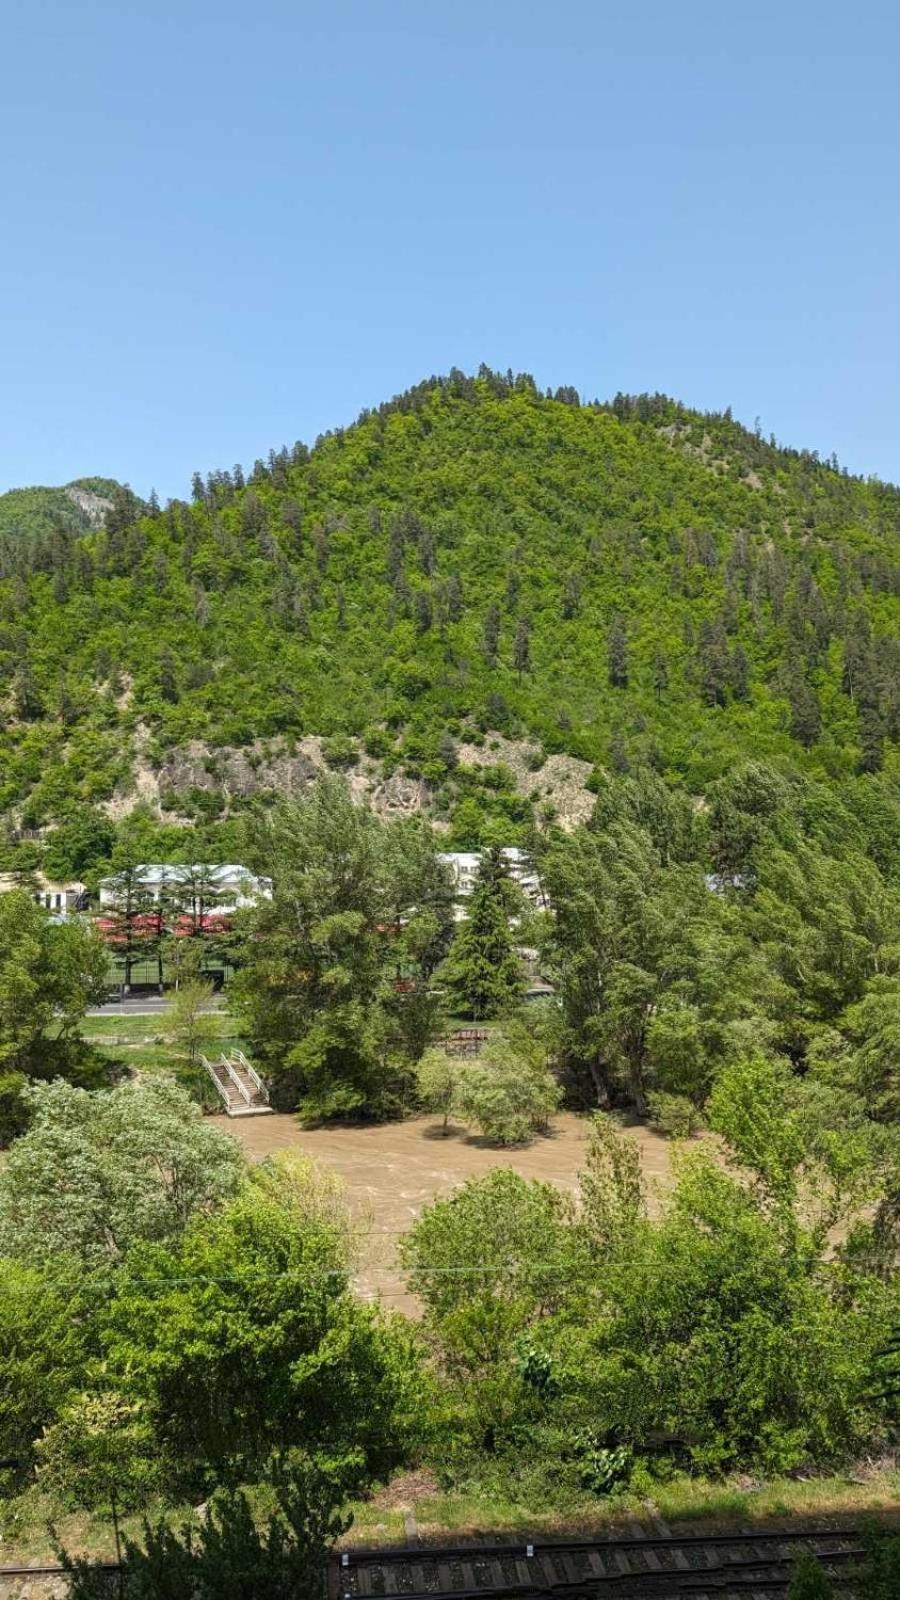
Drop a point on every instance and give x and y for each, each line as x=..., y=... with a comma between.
x=227, y=1552
x=474, y=559
x=738, y=598
x=674, y=1115
x=436, y=1082
x=189, y=1018
x=96, y=1172
x=49, y=974
x=337, y=965
x=241, y=1338
x=100, y=1444
x=881, y=1576
x=601, y=1468
x=81, y=847
x=32, y=516
x=500, y=1237
x=13, y=1110
x=505, y=1094
x=46, y=1340
x=723, y=1332
x=809, y=1580
x=482, y=973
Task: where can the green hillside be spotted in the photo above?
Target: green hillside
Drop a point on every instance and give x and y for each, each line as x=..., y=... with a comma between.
x=626, y=583
x=40, y=513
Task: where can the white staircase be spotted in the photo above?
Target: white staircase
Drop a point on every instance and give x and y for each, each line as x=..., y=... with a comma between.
x=241, y=1088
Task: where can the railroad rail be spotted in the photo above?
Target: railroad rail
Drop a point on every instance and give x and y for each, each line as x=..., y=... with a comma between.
x=750, y=1564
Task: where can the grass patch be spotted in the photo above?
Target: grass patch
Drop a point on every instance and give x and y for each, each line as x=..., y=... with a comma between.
x=692, y=1503
x=25, y=1520
x=143, y=1045
x=695, y=1502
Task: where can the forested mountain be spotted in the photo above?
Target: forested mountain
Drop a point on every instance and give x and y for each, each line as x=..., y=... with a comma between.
x=40, y=513
x=629, y=583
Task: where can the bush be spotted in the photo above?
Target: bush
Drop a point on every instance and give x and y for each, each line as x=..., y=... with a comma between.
x=100, y=1443
x=228, y=1554
x=600, y=1469
x=505, y=1095
x=13, y=1110
x=339, y=750
x=436, y=1082
x=674, y=1115
x=377, y=742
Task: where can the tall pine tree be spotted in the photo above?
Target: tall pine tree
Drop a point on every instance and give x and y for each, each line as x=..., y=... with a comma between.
x=482, y=972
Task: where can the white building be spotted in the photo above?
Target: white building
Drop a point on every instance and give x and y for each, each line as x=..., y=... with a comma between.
x=60, y=898
x=464, y=866
x=221, y=889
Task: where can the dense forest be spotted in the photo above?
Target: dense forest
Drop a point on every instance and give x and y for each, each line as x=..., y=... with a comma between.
x=632, y=583
x=34, y=515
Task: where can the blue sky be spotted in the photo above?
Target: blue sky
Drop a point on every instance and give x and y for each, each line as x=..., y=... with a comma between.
x=227, y=226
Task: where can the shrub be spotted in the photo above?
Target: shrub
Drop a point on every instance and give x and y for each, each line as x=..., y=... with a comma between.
x=13, y=1110
x=339, y=750
x=436, y=1082
x=674, y=1115
x=505, y=1095
x=377, y=742
x=100, y=1443
x=228, y=1553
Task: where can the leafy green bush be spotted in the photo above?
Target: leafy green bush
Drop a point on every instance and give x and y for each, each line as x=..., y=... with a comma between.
x=508, y=1097
x=227, y=1552
x=339, y=750
x=14, y=1114
x=100, y=1444
x=674, y=1115
x=601, y=1468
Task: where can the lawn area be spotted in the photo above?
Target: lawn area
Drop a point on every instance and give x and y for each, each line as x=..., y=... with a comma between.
x=144, y=1044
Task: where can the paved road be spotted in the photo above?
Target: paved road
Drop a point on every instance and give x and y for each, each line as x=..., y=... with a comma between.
x=141, y=1005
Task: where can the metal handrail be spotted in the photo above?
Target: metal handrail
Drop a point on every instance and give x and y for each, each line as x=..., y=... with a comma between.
x=242, y=1089
x=241, y=1059
x=216, y=1080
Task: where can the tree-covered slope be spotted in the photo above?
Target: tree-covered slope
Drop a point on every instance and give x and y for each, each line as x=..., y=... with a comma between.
x=623, y=582
x=39, y=513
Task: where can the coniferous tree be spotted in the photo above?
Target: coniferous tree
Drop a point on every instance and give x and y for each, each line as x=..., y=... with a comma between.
x=660, y=673
x=491, y=635
x=522, y=648
x=129, y=917
x=617, y=649
x=806, y=715
x=571, y=604
x=27, y=701
x=740, y=673
x=483, y=972
x=871, y=738
x=168, y=683
x=455, y=604
x=423, y=611
x=714, y=663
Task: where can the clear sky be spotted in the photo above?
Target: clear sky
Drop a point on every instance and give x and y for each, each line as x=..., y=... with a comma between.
x=229, y=225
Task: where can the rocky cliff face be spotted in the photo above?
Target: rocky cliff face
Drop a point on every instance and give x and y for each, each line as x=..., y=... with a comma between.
x=276, y=767
x=93, y=507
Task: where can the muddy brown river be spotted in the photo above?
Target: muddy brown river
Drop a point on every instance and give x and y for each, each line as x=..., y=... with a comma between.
x=393, y=1169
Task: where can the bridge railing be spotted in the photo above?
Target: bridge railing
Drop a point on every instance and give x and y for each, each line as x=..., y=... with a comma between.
x=216, y=1079
x=241, y=1087
x=252, y=1074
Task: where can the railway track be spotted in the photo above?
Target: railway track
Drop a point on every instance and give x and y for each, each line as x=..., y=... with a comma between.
x=752, y=1565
